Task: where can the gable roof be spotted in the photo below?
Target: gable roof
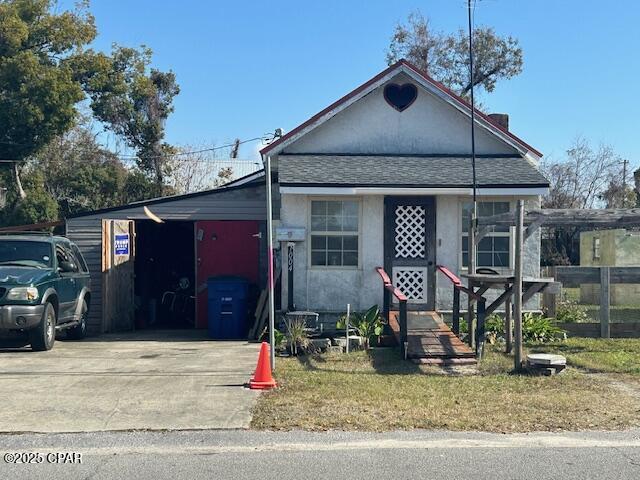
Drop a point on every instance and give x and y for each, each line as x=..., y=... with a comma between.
x=425, y=81
x=415, y=171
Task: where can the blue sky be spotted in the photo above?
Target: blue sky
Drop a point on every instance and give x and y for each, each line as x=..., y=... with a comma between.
x=247, y=67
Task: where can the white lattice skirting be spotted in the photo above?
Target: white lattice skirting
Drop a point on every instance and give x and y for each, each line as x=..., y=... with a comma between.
x=410, y=231
x=412, y=281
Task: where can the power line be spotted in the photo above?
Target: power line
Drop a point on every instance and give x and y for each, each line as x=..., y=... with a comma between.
x=264, y=138
x=204, y=150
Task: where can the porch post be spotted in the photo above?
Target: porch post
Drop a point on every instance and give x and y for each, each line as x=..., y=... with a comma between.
x=456, y=311
x=508, y=324
x=403, y=327
x=480, y=329
x=517, y=288
x=290, y=255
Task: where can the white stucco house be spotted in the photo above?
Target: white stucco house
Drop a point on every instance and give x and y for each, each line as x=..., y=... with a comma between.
x=383, y=177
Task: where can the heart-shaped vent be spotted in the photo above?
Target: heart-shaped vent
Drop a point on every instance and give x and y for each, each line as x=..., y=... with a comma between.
x=400, y=97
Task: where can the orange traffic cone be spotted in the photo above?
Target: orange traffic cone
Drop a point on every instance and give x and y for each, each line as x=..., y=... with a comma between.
x=262, y=378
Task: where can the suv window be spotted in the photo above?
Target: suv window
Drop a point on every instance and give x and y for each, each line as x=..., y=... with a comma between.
x=63, y=254
x=25, y=253
x=81, y=263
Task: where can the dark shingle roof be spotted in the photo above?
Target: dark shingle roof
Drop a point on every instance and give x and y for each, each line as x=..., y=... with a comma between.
x=406, y=171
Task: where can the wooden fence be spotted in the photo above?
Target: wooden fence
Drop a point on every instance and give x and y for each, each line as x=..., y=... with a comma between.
x=605, y=277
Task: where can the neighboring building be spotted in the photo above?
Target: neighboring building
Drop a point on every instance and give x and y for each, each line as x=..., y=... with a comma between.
x=383, y=177
x=610, y=248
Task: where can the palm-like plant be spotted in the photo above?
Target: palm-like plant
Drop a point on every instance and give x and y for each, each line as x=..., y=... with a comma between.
x=368, y=325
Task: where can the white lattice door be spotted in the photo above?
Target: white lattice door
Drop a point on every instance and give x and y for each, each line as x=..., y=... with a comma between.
x=409, y=249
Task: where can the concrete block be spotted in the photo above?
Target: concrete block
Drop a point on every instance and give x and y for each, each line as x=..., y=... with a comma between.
x=546, y=359
x=335, y=349
x=339, y=342
x=320, y=344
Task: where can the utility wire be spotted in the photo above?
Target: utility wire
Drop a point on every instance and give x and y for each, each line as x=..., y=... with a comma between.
x=263, y=138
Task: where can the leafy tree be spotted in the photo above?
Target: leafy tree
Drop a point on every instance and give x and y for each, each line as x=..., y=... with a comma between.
x=74, y=173
x=38, y=206
x=81, y=175
x=134, y=101
x=39, y=85
x=446, y=56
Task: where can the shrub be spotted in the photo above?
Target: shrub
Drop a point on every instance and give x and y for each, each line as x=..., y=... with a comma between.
x=297, y=336
x=537, y=328
x=368, y=325
x=571, y=312
x=494, y=327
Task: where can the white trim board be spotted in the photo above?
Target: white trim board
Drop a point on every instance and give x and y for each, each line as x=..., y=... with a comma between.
x=514, y=191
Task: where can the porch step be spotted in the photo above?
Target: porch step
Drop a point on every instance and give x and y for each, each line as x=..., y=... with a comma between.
x=444, y=362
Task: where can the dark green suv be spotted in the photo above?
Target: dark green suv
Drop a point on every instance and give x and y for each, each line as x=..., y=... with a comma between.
x=44, y=288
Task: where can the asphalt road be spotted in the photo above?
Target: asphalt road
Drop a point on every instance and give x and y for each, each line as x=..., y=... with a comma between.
x=240, y=454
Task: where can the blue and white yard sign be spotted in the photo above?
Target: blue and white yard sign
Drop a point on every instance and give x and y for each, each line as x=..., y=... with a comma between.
x=121, y=244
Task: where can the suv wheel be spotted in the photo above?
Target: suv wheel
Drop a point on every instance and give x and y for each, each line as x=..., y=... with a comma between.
x=80, y=331
x=44, y=335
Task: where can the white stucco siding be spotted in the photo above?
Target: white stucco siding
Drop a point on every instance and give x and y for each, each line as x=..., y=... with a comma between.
x=330, y=289
x=447, y=246
x=371, y=125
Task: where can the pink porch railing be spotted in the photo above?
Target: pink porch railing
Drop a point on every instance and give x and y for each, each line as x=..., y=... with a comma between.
x=388, y=290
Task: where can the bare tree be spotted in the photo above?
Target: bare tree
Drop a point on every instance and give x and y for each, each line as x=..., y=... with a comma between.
x=581, y=179
x=194, y=170
x=587, y=177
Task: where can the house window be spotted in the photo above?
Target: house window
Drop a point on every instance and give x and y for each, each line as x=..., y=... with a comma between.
x=494, y=250
x=334, y=233
x=596, y=248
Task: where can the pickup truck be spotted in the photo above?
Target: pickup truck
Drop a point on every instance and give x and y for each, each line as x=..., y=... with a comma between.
x=44, y=288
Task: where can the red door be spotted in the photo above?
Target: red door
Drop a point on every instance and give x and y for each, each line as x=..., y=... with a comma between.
x=224, y=247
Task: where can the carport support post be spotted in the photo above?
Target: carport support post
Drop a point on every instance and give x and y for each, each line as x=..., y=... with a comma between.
x=272, y=351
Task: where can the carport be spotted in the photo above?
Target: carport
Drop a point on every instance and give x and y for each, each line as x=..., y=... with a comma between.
x=150, y=261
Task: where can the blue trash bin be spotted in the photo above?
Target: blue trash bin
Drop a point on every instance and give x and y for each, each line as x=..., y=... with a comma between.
x=227, y=304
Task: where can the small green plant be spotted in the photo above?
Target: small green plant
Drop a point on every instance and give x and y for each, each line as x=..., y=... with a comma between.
x=369, y=325
x=493, y=327
x=279, y=339
x=571, y=312
x=297, y=336
x=537, y=328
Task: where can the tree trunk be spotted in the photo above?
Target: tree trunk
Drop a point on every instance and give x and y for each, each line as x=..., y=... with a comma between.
x=16, y=176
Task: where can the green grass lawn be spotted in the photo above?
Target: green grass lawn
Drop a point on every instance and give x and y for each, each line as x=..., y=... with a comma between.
x=617, y=313
x=377, y=391
x=621, y=355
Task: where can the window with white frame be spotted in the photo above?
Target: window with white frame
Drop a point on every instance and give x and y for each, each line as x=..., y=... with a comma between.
x=494, y=250
x=334, y=233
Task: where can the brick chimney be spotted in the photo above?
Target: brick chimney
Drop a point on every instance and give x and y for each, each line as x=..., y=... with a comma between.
x=501, y=119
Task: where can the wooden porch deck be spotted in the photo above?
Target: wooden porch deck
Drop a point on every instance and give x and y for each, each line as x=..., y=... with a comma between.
x=430, y=341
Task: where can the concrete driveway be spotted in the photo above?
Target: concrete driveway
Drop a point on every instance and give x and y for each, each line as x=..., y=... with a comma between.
x=163, y=380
